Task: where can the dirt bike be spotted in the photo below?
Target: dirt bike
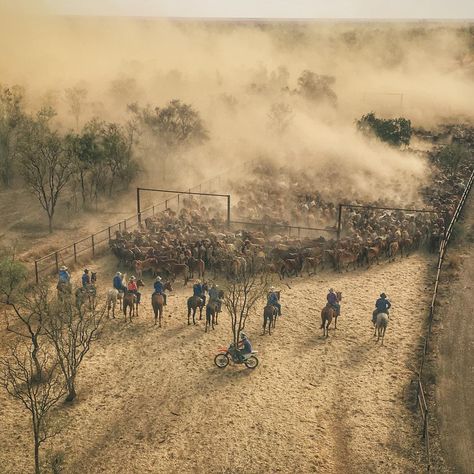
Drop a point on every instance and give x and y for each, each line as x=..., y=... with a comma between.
x=227, y=354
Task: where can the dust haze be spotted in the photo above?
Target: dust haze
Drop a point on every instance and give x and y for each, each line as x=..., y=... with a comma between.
x=234, y=73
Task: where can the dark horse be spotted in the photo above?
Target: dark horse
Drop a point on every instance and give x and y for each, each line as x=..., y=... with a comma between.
x=327, y=314
x=213, y=308
x=130, y=301
x=270, y=314
x=157, y=301
x=195, y=302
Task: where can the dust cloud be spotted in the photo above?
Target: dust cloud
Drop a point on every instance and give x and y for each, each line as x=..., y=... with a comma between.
x=233, y=73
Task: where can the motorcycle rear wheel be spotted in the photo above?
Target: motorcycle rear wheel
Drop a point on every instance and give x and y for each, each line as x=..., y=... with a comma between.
x=251, y=362
x=221, y=360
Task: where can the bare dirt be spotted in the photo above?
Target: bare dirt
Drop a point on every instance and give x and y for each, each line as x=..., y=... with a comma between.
x=455, y=401
x=151, y=400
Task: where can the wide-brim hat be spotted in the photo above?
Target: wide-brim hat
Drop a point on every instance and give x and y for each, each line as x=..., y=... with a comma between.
x=132, y=278
x=272, y=288
x=158, y=278
x=331, y=290
x=383, y=295
x=63, y=268
x=118, y=274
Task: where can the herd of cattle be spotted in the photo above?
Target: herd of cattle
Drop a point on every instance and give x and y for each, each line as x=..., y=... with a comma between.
x=197, y=240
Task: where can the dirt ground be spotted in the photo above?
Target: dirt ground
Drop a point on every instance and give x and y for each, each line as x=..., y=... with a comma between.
x=151, y=400
x=455, y=401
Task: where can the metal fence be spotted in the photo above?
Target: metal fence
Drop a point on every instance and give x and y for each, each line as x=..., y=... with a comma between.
x=94, y=244
x=421, y=392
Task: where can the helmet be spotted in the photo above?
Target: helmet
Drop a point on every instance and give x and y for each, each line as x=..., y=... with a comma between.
x=243, y=335
x=383, y=295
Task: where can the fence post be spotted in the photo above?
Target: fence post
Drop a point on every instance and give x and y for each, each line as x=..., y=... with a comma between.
x=228, y=210
x=339, y=216
x=166, y=204
x=36, y=271
x=299, y=232
x=57, y=261
x=75, y=252
x=178, y=202
x=125, y=224
x=110, y=236
x=93, y=246
x=139, y=211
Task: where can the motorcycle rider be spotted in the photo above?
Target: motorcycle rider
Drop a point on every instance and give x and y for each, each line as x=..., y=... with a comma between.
x=244, y=347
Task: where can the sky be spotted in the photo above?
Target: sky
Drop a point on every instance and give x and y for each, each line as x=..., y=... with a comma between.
x=319, y=9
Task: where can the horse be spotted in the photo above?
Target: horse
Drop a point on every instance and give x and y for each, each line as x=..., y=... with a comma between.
x=114, y=295
x=130, y=301
x=195, y=302
x=392, y=251
x=157, y=301
x=212, y=310
x=269, y=316
x=88, y=291
x=64, y=290
x=380, y=326
x=327, y=315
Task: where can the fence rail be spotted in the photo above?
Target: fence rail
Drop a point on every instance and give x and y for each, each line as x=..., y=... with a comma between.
x=96, y=243
x=421, y=393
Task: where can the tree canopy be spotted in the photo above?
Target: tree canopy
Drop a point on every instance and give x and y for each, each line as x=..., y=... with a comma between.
x=395, y=132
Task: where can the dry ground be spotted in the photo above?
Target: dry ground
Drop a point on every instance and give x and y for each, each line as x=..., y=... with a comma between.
x=151, y=400
x=455, y=401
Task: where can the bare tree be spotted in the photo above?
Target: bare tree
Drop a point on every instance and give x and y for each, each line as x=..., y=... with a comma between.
x=241, y=295
x=280, y=117
x=18, y=378
x=75, y=98
x=45, y=168
x=71, y=331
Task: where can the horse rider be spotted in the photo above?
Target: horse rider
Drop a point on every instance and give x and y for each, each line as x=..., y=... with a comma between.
x=214, y=296
x=64, y=279
x=273, y=300
x=382, y=305
x=332, y=301
x=198, y=291
x=160, y=289
x=86, y=279
x=118, y=284
x=133, y=288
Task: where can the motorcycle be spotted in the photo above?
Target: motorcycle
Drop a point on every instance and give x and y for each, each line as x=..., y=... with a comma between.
x=227, y=354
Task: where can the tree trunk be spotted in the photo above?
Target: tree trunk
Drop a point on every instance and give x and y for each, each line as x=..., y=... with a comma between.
x=71, y=390
x=34, y=356
x=50, y=224
x=37, y=445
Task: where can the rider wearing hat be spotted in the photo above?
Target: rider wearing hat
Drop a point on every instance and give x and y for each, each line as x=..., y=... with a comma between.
x=214, y=296
x=64, y=276
x=198, y=290
x=382, y=305
x=132, y=287
x=86, y=279
x=160, y=289
x=332, y=301
x=273, y=300
x=117, y=282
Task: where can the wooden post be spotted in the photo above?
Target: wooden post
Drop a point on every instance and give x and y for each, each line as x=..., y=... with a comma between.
x=36, y=271
x=139, y=211
x=339, y=224
x=93, y=246
x=75, y=252
x=125, y=224
x=57, y=261
x=166, y=204
x=110, y=236
x=228, y=210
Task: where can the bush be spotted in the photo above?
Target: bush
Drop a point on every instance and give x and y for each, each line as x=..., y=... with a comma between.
x=395, y=132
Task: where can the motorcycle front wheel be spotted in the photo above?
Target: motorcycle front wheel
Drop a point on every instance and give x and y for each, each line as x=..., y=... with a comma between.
x=251, y=362
x=221, y=360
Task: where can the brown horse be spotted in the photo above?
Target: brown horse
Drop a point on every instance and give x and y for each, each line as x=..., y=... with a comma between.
x=393, y=249
x=212, y=310
x=130, y=301
x=157, y=302
x=327, y=315
x=269, y=316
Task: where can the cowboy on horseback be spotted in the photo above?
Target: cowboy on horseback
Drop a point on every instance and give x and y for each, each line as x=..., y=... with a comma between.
x=332, y=301
x=117, y=283
x=382, y=305
x=272, y=300
x=198, y=291
x=214, y=296
x=133, y=288
x=160, y=289
x=64, y=280
x=86, y=279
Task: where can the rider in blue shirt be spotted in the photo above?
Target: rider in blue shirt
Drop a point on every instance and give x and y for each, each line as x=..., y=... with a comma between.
x=117, y=282
x=273, y=300
x=198, y=290
x=332, y=300
x=382, y=305
x=86, y=279
x=160, y=289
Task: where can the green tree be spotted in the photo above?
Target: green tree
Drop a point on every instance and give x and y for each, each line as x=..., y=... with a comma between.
x=316, y=87
x=452, y=156
x=395, y=132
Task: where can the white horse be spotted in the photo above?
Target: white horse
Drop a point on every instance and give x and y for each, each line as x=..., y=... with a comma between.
x=114, y=295
x=380, y=326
